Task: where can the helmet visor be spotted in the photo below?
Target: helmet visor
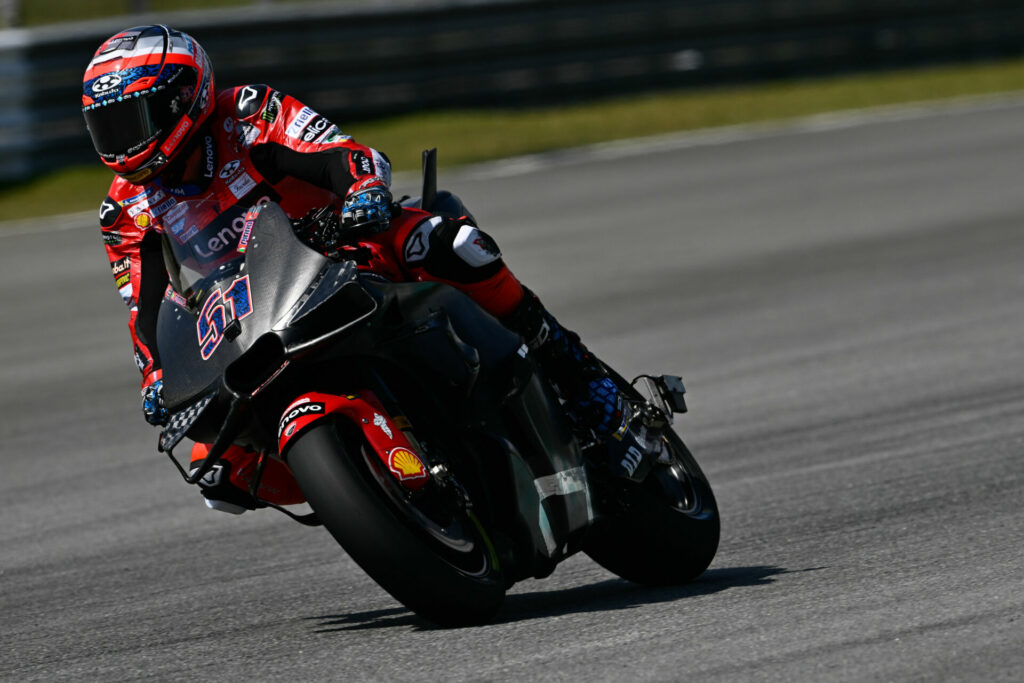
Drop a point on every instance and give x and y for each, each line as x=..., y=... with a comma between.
x=127, y=127
x=121, y=128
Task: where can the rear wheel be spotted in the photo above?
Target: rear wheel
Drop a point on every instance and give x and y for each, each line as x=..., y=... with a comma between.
x=666, y=529
x=426, y=549
x=663, y=530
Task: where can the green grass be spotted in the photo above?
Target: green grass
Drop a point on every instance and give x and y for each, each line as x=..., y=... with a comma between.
x=472, y=136
x=37, y=12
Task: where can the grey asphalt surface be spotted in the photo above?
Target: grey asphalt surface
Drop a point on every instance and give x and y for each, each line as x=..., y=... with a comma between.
x=845, y=305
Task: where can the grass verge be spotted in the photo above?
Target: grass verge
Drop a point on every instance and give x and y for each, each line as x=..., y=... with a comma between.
x=472, y=136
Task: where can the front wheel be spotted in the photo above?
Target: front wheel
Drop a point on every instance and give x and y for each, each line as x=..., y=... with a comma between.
x=662, y=531
x=426, y=550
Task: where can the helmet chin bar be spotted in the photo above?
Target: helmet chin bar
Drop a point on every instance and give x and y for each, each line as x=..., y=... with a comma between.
x=147, y=171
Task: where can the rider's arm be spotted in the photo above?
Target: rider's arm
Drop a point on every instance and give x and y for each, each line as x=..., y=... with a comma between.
x=287, y=138
x=137, y=264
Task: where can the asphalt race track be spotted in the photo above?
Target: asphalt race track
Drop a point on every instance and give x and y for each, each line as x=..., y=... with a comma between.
x=845, y=300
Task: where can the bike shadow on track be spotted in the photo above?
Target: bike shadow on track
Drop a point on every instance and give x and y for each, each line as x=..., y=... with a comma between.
x=604, y=596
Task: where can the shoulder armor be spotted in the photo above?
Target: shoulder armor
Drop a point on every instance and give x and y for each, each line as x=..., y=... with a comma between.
x=249, y=100
x=109, y=211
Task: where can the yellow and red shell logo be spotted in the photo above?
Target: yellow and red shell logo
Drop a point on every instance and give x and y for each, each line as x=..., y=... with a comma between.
x=406, y=464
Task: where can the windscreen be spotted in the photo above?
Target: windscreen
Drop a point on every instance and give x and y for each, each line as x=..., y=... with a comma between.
x=200, y=237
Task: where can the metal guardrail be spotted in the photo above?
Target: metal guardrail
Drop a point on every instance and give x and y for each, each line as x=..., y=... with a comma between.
x=407, y=55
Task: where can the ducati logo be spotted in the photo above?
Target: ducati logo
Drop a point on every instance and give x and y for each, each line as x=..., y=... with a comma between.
x=380, y=421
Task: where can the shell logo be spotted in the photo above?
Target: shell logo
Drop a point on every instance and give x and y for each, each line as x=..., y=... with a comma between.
x=143, y=220
x=405, y=464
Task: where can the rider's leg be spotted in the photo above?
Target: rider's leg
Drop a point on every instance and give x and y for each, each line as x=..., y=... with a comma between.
x=592, y=396
x=579, y=376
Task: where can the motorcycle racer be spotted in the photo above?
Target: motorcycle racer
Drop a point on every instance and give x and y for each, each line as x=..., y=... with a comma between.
x=158, y=123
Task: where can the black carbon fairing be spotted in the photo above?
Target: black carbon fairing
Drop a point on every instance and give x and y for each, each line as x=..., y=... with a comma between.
x=232, y=306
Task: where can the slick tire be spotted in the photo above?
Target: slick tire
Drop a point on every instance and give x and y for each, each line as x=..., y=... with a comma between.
x=448, y=576
x=667, y=528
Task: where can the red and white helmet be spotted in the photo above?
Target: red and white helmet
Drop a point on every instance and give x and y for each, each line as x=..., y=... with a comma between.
x=145, y=93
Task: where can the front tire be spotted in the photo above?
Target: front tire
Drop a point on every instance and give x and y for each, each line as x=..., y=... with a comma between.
x=445, y=571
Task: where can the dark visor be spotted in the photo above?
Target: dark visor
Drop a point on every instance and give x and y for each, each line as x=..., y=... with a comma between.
x=126, y=127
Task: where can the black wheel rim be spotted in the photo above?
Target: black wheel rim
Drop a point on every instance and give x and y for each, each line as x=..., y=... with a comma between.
x=460, y=540
x=680, y=483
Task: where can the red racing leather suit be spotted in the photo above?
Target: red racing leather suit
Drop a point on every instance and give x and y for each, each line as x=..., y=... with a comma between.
x=260, y=144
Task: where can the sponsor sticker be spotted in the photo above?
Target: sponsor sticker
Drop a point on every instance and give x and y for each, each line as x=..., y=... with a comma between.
x=383, y=168
x=474, y=247
x=405, y=464
x=122, y=270
x=335, y=135
x=316, y=128
x=162, y=208
x=242, y=185
x=137, y=208
x=330, y=132
x=243, y=241
x=176, y=135
x=176, y=212
x=300, y=121
x=174, y=297
x=148, y=192
x=106, y=83
x=273, y=107
x=297, y=411
x=249, y=220
x=362, y=163
x=143, y=220
x=209, y=157
x=380, y=421
x=229, y=168
x=126, y=293
x=247, y=134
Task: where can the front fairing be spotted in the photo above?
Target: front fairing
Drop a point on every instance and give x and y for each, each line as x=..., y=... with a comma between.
x=218, y=311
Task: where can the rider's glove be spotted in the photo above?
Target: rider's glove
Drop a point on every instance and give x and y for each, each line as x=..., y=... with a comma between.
x=153, y=403
x=367, y=211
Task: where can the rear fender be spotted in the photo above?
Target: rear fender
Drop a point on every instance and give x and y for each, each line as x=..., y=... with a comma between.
x=364, y=411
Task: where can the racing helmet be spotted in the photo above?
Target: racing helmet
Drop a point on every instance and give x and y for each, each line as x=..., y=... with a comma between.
x=145, y=93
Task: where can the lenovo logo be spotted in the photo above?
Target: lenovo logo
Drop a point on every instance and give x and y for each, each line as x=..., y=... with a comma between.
x=297, y=412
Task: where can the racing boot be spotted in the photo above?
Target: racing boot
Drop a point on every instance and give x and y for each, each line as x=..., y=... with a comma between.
x=579, y=377
x=591, y=395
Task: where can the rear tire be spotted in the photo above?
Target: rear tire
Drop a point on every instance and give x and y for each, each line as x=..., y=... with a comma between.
x=446, y=571
x=668, y=530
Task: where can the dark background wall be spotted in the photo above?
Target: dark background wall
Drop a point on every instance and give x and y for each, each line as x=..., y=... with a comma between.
x=361, y=62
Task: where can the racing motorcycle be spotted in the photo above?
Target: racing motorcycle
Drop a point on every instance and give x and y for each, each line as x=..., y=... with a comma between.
x=421, y=431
